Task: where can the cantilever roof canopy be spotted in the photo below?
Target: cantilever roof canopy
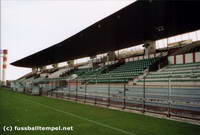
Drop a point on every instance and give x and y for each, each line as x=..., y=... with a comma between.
x=142, y=20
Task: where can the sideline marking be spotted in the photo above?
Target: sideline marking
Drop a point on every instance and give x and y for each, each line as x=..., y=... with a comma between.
x=82, y=118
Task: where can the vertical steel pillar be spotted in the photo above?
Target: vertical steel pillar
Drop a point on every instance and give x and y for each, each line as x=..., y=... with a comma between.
x=144, y=95
x=85, y=91
x=124, y=95
x=76, y=90
x=69, y=88
x=95, y=98
x=169, y=95
x=109, y=91
x=96, y=79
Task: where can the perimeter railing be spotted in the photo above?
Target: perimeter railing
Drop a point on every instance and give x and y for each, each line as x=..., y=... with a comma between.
x=170, y=100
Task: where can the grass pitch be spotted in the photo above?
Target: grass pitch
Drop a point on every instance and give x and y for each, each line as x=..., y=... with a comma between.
x=22, y=110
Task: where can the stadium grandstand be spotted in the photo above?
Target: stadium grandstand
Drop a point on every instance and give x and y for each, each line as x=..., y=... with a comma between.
x=145, y=57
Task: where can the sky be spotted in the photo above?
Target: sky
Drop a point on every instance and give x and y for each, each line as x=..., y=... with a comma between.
x=28, y=26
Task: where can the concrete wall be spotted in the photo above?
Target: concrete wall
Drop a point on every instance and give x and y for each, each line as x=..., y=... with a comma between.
x=111, y=62
x=145, y=57
x=198, y=57
x=188, y=58
x=185, y=58
x=35, y=90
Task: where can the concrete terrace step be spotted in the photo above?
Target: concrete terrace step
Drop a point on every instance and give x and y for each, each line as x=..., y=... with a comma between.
x=172, y=80
x=181, y=69
x=185, y=65
x=174, y=76
x=177, y=72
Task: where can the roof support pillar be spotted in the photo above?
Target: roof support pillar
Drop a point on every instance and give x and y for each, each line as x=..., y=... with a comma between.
x=70, y=63
x=42, y=68
x=55, y=65
x=149, y=48
x=92, y=61
x=111, y=56
x=34, y=70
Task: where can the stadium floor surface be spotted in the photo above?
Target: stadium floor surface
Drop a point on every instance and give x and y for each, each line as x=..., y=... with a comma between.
x=24, y=110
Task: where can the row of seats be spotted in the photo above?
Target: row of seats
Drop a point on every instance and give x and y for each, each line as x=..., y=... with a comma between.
x=81, y=71
x=94, y=72
x=179, y=74
x=120, y=74
x=75, y=71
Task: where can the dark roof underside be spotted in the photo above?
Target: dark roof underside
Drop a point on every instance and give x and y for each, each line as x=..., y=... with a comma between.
x=128, y=27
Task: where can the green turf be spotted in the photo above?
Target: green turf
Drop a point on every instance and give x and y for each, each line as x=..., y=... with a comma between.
x=22, y=110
